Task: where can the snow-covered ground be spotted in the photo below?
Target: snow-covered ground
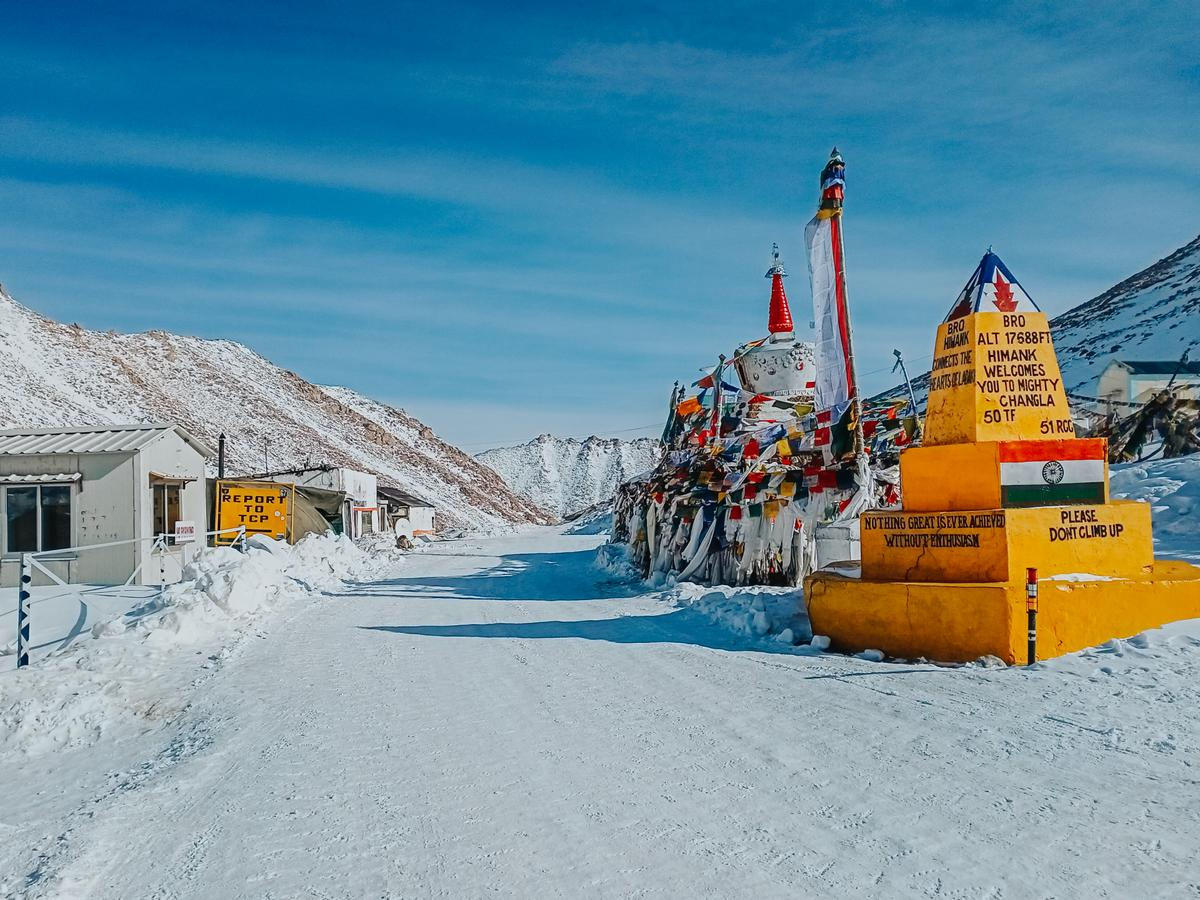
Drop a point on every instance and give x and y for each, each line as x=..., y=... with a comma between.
x=115, y=660
x=502, y=717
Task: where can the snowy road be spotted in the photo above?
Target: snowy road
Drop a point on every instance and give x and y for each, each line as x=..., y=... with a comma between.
x=494, y=723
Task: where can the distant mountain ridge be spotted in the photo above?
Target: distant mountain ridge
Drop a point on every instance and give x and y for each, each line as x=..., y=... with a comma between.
x=566, y=475
x=59, y=375
x=1152, y=315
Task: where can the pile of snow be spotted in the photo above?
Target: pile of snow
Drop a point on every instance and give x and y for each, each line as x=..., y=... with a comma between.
x=1166, y=652
x=749, y=612
x=565, y=475
x=62, y=375
x=1172, y=488
x=613, y=562
x=384, y=543
x=131, y=672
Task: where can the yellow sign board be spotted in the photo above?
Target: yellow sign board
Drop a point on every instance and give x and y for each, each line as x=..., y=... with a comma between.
x=262, y=507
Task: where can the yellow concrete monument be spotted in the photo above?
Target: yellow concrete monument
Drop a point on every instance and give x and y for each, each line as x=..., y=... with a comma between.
x=1000, y=485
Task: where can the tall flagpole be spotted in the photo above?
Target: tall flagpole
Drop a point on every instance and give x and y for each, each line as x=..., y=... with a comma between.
x=855, y=398
x=717, y=398
x=839, y=249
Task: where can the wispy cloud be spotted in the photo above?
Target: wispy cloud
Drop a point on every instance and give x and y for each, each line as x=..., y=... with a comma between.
x=550, y=227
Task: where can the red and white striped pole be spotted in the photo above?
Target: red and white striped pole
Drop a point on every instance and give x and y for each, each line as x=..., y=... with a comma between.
x=1031, y=605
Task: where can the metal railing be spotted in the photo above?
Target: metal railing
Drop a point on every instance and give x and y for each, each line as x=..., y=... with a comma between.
x=30, y=561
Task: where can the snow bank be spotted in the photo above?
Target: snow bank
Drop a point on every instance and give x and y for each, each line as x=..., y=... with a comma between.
x=750, y=612
x=756, y=613
x=1172, y=488
x=613, y=561
x=1169, y=655
x=131, y=674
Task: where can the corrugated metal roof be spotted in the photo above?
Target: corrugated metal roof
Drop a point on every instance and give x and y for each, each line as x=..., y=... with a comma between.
x=39, y=479
x=100, y=439
x=1160, y=366
x=400, y=496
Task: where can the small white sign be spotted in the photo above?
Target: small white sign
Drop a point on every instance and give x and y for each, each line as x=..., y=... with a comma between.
x=185, y=532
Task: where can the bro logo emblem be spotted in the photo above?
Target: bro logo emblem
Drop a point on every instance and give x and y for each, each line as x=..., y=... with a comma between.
x=1053, y=472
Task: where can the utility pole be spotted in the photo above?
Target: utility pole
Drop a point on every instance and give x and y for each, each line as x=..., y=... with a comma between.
x=716, y=427
x=912, y=398
x=1183, y=361
x=676, y=397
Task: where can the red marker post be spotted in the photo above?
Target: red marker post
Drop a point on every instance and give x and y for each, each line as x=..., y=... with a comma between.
x=1031, y=604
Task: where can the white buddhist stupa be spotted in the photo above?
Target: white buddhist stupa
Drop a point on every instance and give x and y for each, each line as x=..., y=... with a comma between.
x=778, y=366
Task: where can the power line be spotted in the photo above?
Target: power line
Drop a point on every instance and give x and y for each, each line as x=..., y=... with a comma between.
x=599, y=433
x=889, y=368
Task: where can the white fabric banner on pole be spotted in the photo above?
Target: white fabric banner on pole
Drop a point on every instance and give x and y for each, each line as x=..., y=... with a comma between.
x=832, y=390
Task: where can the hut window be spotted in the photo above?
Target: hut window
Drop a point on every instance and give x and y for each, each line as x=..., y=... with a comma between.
x=37, y=518
x=166, y=508
x=56, y=516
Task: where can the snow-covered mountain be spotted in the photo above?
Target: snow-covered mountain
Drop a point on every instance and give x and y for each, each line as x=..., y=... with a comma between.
x=566, y=475
x=1152, y=315
x=57, y=374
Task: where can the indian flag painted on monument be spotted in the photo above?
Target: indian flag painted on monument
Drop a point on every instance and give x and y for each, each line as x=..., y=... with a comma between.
x=1044, y=473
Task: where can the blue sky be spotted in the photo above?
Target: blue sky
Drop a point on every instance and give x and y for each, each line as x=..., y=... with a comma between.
x=519, y=218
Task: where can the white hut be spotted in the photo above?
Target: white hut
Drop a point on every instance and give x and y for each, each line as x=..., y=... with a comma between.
x=360, y=509
x=65, y=489
x=405, y=513
x=1127, y=381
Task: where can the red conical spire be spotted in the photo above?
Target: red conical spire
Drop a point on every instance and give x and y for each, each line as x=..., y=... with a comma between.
x=781, y=315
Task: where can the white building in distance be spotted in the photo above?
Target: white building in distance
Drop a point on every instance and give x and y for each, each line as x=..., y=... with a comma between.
x=1136, y=381
x=360, y=506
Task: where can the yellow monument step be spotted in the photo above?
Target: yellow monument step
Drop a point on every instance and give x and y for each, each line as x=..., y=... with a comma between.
x=997, y=545
x=992, y=474
x=962, y=622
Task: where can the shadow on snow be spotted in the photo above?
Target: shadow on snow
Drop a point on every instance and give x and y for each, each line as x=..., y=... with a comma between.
x=517, y=576
x=678, y=626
